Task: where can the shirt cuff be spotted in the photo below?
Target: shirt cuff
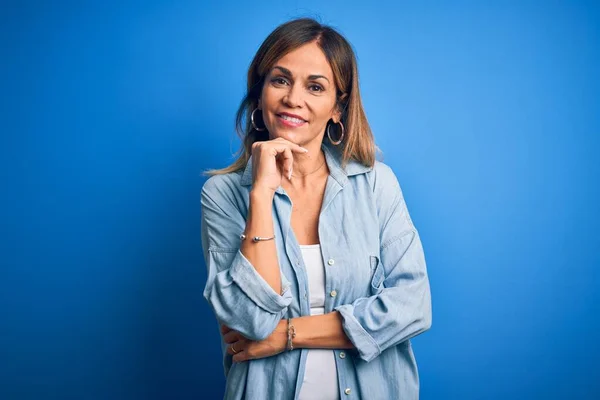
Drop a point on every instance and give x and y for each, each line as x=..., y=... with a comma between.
x=367, y=348
x=256, y=288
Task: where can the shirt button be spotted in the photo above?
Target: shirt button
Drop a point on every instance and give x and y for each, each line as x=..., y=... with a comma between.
x=342, y=355
x=347, y=391
x=331, y=261
x=333, y=293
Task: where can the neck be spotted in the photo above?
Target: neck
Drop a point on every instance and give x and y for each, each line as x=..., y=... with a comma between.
x=309, y=167
x=307, y=163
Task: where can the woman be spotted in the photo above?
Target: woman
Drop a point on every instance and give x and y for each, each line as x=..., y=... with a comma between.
x=315, y=270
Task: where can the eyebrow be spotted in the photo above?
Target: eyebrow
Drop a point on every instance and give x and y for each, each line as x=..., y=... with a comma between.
x=288, y=73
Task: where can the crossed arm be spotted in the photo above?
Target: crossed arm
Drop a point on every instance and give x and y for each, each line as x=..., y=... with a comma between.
x=252, y=311
x=316, y=331
x=319, y=331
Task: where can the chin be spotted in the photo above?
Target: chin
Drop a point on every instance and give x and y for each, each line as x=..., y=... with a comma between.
x=294, y=137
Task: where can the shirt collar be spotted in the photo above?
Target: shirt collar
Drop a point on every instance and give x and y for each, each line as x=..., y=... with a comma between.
x=333, y=159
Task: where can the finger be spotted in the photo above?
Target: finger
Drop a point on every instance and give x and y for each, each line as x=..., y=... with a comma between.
x=230, y=347
x=240, y=357
x=239, y=346
x=293, y=146
x=225, y=328
x=278, y=146
x=298, y=149
x=287, y=160
x=283, y=153
x=231, y=336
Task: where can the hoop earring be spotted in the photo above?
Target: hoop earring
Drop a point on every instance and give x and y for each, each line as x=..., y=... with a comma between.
x=336, y=142
x=252, y=121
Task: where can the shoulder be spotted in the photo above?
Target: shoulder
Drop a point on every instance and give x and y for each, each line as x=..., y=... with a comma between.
x=223, y=188
x=220, y=182
x=383, y=179
x=388, y=196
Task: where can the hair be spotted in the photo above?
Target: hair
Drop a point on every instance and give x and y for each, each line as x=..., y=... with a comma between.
x=358, y=142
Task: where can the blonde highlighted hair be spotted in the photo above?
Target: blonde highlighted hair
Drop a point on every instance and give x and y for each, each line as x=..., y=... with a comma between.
x=358, y=143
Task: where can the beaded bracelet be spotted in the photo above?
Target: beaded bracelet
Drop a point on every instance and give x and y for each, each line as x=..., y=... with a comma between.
x=291, y=335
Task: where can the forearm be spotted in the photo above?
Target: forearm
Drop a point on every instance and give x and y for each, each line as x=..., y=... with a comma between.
x=262, y=255
x=321, y=332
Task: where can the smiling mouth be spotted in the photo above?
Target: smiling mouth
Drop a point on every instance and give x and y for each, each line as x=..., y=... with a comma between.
x=291, y=119
x=290, y=122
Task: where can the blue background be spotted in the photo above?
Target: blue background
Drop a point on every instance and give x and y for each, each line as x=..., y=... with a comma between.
x=487, y=112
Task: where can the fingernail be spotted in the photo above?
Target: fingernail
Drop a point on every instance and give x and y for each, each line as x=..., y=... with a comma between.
x=305, y=150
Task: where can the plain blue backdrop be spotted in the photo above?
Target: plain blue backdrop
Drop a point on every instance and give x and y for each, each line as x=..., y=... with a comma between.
x=488, y=112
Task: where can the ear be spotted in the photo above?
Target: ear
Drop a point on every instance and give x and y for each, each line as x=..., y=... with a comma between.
x=258, y=104
x=336, y=116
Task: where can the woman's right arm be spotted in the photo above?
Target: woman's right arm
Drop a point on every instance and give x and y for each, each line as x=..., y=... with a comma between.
x=244, y=286
x=262, y=255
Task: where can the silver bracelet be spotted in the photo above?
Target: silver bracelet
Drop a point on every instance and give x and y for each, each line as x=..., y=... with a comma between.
x=257, y=238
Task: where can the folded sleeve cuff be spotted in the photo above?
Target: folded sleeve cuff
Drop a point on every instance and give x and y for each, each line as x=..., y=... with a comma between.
x=367, y=348
x=256, y=288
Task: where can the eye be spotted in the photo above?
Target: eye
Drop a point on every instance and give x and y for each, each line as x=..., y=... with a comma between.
x=316, y=88
x=279, y=80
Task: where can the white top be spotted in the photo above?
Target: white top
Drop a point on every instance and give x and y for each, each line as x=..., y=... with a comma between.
x=320, y=377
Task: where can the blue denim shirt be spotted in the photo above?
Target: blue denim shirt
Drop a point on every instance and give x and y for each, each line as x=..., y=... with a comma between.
x=375, y=277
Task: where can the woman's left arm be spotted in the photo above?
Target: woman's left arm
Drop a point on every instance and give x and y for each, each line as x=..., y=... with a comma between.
x=400, y=307
x=312, y=331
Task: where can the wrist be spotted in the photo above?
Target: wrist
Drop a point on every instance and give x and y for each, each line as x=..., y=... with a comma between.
x=321, y=331
x=282, y=334
x=291, y=334
x=261, y=194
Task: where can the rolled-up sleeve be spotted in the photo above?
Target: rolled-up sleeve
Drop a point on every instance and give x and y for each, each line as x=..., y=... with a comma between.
x=400, y=307
x=238, y=295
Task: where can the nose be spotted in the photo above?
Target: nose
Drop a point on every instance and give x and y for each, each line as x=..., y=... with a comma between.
x=294, y=96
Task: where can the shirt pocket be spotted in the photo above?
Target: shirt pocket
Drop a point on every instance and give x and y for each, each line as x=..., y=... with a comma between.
x=378, y=276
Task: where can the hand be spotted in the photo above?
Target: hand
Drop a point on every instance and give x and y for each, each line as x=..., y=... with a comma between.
x=249, y=349
x=272, y=159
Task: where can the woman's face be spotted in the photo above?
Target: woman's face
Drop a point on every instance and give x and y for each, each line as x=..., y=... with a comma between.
x=299, y=96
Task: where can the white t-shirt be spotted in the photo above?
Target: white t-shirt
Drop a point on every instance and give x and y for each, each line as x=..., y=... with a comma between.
x=320, y=377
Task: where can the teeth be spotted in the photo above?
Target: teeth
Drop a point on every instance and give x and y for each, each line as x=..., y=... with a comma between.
x=296, y=120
